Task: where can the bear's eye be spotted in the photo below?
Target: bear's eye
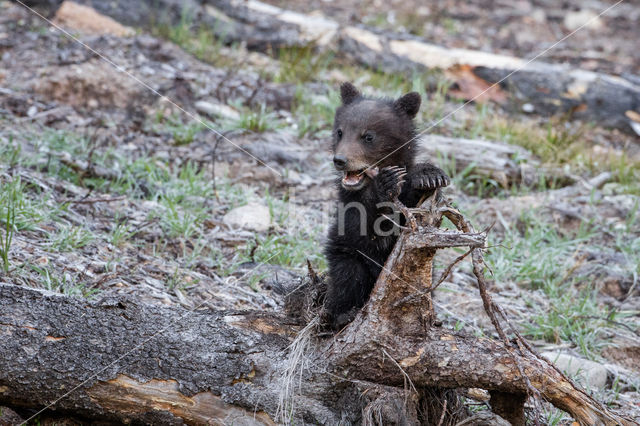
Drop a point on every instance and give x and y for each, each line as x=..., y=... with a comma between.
x=339, y=133
x=369, y=137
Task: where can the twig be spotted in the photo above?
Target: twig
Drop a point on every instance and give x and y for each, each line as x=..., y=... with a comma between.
x=87, y=169
x=394, y=222
x=213, y=167
x=42, y=114
x=404, y=373
x=94, y=200
x=447, y=271
x=489, y=306
x=405, y=211
x=312, y=273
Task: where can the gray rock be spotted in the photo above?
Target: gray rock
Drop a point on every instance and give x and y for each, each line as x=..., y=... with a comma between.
x=588, y=373
x=253, y=216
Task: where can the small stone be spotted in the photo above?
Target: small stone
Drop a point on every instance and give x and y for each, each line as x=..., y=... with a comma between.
x=253, y=216
x=33, y=110
x=528, y=108
x=216, y=109
x=588, y=373
x=585, y=17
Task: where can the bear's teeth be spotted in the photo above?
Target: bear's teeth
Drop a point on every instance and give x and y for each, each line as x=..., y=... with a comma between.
x=352, y=178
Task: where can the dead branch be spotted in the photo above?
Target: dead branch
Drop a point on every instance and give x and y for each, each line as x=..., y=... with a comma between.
x=158, y=364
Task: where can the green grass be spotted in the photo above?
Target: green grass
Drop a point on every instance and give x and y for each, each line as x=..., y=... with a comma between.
x=180, y=221
x=69, y=237
x=61, y=283
x=257, y=120
x=626, y=172
x=224, y=266
x=183, y=192
x=553, y=416
x=22, y=208
x=10, y=152
x=48, y=146
x=201, y=41
x=254, y=279
x=469, y=181
x=302, y=64
x=149, y=177
x=181, y=133
x=313, y=114
x=8, y=198
x=542, y=259
x=557, y=143
x=554, y=143
x=290, y=244
x=232, y=194
x=120, y=234
x=286, y=250
x=538, y=258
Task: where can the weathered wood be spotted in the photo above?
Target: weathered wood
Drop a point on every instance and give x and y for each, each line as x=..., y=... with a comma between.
x=506, y=164
x=443, y=239
x=547, y=89
x=133, y=361
x=122, y=360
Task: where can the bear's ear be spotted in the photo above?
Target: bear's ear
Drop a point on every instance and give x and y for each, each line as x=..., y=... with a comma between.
x=348, y=93
x=409, y=104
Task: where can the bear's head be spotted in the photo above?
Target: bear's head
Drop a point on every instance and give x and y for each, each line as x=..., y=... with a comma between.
x=371, y=133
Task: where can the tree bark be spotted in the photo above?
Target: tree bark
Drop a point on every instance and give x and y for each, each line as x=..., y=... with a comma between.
x=505, y=164
x=121, y=360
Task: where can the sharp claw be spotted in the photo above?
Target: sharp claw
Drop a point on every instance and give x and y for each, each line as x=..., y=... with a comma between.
x=433, y=184
x=440, y=181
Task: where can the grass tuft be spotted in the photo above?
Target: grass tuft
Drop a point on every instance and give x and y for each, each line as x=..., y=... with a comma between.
x=301, y=64
x=538, y=257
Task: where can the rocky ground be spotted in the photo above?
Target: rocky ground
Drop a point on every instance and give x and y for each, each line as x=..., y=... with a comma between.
x=212, y=193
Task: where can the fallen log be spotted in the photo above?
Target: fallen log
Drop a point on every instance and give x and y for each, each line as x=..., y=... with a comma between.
x=504, y=163
x=530, y=86
x=120, y=360
x=534, y=86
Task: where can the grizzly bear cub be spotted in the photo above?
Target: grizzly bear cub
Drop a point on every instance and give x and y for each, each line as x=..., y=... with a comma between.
x=374, y=153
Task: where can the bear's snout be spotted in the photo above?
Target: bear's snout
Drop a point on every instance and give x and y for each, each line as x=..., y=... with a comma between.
x=340, y=162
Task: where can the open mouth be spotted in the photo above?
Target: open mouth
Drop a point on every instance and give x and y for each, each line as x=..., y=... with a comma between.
x=353, y=179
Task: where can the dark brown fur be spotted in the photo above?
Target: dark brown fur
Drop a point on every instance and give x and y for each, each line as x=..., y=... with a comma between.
x=371, y=135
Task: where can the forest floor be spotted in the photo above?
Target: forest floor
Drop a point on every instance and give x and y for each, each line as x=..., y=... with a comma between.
x=107, y=188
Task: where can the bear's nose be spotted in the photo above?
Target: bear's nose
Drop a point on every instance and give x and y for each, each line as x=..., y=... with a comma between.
x=340, y=162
